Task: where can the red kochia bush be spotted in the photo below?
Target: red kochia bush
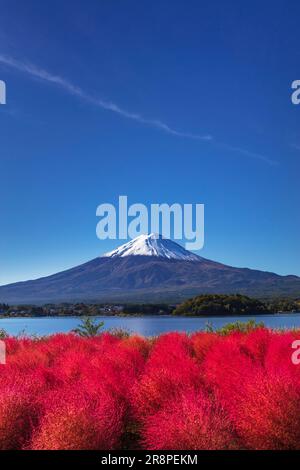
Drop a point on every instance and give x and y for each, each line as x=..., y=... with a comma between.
x=20, y=403
x=191, y=422
x=139, y=344
x=278, y=355
x=116, y=370
x=267, y=415
x=225, y=369
x=255, y=344
x=18, y=416
x=75, y=419
x=203, y=391
x=169, y=371
x=202, y=342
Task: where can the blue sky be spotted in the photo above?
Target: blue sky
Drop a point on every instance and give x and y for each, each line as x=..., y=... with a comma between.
x=167, y=101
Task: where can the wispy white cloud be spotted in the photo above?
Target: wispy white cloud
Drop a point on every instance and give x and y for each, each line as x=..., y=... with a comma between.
x=36, y=72
x=249, y=154
x=74, y=90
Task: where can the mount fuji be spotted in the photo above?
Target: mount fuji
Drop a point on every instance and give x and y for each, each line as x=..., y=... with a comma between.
x=151, y=269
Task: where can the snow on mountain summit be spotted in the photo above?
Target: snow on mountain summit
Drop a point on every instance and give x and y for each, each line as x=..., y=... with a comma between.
x=153, y=245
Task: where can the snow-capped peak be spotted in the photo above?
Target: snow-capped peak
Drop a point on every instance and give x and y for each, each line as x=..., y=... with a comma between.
x=153, y=245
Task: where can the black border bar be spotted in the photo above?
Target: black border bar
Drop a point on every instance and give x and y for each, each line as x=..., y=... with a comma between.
x=134, y=459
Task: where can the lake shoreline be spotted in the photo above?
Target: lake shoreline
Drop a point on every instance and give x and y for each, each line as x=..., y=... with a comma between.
x=143, y=325
x=139, y=315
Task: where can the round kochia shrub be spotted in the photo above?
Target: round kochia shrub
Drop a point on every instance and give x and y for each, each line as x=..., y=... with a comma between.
x=190, y=422
x=255, y=344
x=278, y=355
x=20, y=404
x=202, y=343
x=267, y=415
x=18, y=416
x=75, y=419
x=225, y=369
x=169, y=371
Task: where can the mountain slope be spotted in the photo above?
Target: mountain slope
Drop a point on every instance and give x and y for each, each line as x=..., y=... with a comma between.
x=134, y=277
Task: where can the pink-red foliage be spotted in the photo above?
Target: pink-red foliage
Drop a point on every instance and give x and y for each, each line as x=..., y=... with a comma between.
x=202, y=342
x=75, y=419
x=191, y=422
x=226, y=367
x=267, y=413
x=19, y=414
x=203, y=391
x=170, y=370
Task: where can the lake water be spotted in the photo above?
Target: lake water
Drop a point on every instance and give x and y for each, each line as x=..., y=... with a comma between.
x=146, y=326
